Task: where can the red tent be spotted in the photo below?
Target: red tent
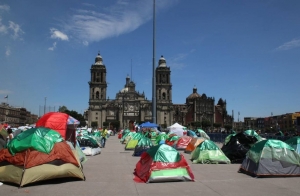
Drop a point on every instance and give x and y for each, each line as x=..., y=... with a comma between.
x=182, y=142
x=60, y=122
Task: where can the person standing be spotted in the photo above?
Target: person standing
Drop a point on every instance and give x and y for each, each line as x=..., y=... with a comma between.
x=104, y=133
x=10, y=135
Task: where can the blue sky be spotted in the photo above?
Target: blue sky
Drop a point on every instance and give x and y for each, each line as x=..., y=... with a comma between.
x=246, y=52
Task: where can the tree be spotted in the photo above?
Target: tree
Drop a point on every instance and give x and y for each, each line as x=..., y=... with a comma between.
x=205, y=124
x=105, y=124
x=115, y=124
x=217, y=125
x=62, y=108
x=228, y=127
x=196, y=124
x=94, y=124
x=75, y=115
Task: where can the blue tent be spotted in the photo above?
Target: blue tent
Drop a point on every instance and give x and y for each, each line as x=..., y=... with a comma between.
x=148, y=125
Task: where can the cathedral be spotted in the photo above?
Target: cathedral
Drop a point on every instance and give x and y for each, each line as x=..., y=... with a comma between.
x=131, y=106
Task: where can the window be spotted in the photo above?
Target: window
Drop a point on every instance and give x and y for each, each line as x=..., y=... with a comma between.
x=164, y=96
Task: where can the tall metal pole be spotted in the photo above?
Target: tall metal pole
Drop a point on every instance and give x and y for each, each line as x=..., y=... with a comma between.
x=45, y=106
x=154, y=77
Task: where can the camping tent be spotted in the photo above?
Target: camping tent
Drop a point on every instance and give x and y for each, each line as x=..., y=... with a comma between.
x=201, y=133
x=143, y=145
x=61, y=122
x=130, y=145
x=295, y=143
x=171, y=139
x=239, y=144
x=29, y=166
x=177, y=129
x=161, y=138
x=193, y=144
x=271, y=158
x=191, y=133
x=182, y=142
x=208, y=152
x=162, y=163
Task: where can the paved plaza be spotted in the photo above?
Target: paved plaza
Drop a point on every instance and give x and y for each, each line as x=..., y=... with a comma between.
x=111, y=173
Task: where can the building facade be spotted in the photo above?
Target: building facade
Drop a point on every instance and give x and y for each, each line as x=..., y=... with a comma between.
x=16, y=116
x=130, y=105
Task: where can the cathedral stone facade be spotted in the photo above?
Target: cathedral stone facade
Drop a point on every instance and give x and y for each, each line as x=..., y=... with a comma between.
x=130, y=105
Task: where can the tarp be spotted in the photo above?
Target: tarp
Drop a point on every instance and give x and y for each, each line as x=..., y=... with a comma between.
x=162, y=163
x=271, y=158
x=148, y=125
x=41, y=139
x=208, y=152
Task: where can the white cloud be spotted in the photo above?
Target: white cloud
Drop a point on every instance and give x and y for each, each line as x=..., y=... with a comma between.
x=86, y=43
x=176, y=62
x=289, y=45
x=17, y=31
x=53, y=47
x=3, y=28
x=123, y=17
x=7, y=51
x=56, y=34
x=4, y=7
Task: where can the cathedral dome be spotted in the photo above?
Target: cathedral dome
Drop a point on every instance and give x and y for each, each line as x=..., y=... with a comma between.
x=194, y=94
x=162, y=62
x=98, y=60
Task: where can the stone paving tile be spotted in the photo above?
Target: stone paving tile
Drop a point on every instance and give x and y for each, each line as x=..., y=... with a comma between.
x=111, y=173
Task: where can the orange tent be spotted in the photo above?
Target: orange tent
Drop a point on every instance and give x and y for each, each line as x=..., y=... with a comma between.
x=193, y=144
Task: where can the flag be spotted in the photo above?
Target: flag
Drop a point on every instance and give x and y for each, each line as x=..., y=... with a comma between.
x=6, y=97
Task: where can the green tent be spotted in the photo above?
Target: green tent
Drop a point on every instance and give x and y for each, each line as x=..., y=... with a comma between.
x=161, y=137
x=40, y=138
x=253, y=134
x=228, y=137
x=208, y=152
x=133, y=141
x=295, y=143
x=143, y=145
x=127, y=137
x=202, y=133
x=162, y=163
x=271, y=158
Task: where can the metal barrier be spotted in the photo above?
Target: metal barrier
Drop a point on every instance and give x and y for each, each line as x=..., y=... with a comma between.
x=220, y=137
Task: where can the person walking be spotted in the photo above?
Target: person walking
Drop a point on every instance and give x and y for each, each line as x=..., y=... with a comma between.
x=104, y=133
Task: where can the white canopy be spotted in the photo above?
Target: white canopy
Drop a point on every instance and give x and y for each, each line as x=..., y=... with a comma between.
x=177, y=129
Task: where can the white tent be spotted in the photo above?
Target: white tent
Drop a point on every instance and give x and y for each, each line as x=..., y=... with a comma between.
x=177, y=129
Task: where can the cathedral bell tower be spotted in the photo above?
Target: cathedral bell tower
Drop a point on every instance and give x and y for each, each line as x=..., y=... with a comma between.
x=163, y=92
x=98, y=88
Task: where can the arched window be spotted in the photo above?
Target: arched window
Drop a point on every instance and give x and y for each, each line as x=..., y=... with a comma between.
x=97, y=95
x=164, y=96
